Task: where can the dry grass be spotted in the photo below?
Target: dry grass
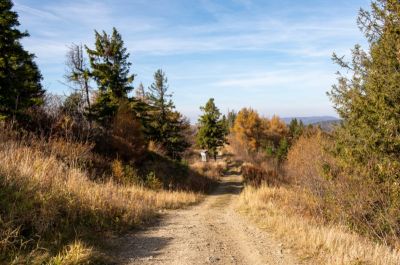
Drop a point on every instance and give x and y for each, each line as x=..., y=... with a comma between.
x=21, y=164
x=73, y=254
x=272, y=209
x=205, y=175
x=212, y=169
x=44, y=197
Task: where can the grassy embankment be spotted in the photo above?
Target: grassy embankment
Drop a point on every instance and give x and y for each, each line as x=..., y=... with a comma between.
x=53, y=212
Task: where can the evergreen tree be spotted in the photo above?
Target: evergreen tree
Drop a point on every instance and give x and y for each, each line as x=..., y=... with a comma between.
x=142, y=109
x=161, y=103
x=110, y=69
x=166, y=126
x=282, y=150
x=20, y=78
x=296, y=128
x=369, y=102
x=212, y=130
x=176, y=143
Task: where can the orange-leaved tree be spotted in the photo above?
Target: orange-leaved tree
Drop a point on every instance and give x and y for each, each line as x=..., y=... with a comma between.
x=249, y=128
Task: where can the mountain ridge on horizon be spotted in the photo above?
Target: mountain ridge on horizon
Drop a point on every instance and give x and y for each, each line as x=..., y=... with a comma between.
x=311, y=119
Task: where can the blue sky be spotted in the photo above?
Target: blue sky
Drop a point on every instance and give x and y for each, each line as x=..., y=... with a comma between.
x=271, y=55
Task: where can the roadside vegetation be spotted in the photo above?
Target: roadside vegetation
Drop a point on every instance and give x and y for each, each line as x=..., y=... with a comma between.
x=334, y=196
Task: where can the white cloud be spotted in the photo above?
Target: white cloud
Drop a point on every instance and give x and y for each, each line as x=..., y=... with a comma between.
x=36, y=13
x=293, y=79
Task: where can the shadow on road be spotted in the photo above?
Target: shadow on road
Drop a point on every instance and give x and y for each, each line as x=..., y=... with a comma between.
x=228, y=187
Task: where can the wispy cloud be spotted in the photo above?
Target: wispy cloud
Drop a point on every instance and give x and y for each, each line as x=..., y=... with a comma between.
x=250, y=45
x=312, y=39
x=29, y=11
x=295, y=79
x=229, y=33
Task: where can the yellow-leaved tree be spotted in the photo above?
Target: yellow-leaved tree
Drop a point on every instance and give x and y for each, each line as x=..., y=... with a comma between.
x=249, y=128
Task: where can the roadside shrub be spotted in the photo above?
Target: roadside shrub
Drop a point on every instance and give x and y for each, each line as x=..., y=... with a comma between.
x=308, y=163
x=366, y=206
x=152, y=182
x=257, y=175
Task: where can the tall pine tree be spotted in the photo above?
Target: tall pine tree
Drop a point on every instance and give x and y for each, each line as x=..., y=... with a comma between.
x=110, y=69
x=20, y=78
x=212, y=129
x=166, y=126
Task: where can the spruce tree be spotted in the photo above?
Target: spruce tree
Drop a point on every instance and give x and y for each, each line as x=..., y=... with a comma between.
x=368, y=141
x=161, y=103
x=20, y=78
x=110, y=69
x=166, y=126
x=212, y=129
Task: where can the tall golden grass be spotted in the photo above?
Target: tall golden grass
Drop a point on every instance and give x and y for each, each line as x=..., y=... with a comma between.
x=45, y=196
x=316, y=243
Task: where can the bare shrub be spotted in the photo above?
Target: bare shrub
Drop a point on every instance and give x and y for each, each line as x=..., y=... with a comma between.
x=257, y=175
x=156, y=148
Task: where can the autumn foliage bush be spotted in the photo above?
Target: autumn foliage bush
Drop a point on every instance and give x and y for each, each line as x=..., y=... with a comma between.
x=308, y=162
x=342, y=198
x=325, y=213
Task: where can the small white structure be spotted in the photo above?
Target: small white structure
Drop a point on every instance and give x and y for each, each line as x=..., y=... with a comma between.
x=204, y=155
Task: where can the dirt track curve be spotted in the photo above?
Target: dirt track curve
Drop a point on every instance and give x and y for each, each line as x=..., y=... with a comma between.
x=209, y=233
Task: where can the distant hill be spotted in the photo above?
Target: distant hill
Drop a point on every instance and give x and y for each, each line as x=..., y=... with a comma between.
x=327, y=126
x=313, y=119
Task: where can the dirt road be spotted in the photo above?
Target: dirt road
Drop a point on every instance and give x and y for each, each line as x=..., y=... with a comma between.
x=209, y=233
